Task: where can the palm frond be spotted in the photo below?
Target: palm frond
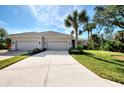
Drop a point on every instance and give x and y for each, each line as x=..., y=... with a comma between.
x=75, y=15
x=70, y=18
x=80, y=32
x=99, y=8
x=67, y=23
x=72, y=32
x=83, y=17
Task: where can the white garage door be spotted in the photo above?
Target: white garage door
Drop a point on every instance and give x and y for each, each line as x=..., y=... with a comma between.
x=57, y=45
x=26, y=45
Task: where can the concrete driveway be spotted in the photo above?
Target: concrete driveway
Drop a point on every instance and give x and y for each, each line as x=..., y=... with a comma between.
x=53, y=69
x=9, y=54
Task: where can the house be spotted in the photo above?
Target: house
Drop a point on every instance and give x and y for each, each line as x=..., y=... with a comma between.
x=49, y=40
x=81, y=42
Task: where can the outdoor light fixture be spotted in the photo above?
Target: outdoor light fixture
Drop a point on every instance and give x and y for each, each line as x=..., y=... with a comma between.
x=12, y=42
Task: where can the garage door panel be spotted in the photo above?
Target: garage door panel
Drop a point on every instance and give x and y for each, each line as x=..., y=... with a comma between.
x=57, y=45
x=26, y=45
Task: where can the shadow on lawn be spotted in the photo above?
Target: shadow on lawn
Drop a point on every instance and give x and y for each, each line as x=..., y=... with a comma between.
x=116, y=62
x=80, y=53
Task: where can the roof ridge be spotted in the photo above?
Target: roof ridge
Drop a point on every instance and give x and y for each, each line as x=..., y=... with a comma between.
x=47, y=32
x=56, y=32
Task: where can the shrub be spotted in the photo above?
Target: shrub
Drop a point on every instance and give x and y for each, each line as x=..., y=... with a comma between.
x=112, y=45
x=93, y=45
x=70, y=50
x=3, y=46
x=44, y=49
x=94, y=41
x=85, y=47
x=79, y=47
x=36, y=50
x=90, y=44
x=75, y=51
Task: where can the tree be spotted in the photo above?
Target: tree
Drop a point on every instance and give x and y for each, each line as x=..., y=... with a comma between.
x=72, y=34
x=108, y=17
x=4, y=41
x=120, y=36
x=112, y=45
x=8, y=43
x=89, y=27
x=3, y=33
x=94, y=41
x=74, y=20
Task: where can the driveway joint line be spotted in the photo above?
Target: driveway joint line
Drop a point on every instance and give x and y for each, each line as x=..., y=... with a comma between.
x=47, y=75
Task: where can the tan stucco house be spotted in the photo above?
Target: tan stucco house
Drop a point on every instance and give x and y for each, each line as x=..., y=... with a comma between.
x=49, y=40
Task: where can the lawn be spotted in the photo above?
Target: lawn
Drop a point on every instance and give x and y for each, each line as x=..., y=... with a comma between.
x=103, y=64
x=10, y=61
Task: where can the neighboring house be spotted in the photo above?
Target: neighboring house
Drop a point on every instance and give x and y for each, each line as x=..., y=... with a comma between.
x=81, y=42
x=49, y=40
x=84, y=42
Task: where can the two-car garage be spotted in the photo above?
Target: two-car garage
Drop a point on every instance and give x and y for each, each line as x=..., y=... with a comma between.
x=26, y=45
x=57, y=45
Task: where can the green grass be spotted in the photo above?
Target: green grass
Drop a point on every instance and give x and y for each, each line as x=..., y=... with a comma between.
x=10, y=61
x=103, y=64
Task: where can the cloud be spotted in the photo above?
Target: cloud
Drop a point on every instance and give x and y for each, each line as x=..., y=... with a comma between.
x=52, y=16
x=2, y=23
x=13, y=31
x=33, y=10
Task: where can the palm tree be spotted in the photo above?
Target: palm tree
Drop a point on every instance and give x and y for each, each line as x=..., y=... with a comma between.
x=74, y=20
x=86, y=28
x=89, y=27
x=72, y=34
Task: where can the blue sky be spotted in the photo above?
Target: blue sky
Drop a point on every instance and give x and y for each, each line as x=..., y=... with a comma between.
x=17, y=19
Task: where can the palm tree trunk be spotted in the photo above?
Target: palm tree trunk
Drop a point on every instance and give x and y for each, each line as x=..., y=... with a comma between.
x=88, y=35
x=91, y=34
x=91, y=39
x=76, y=39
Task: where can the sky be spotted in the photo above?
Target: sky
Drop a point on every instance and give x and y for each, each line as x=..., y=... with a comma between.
x=29, y=18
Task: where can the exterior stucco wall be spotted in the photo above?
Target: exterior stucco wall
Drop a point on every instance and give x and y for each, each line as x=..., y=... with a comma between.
x=41, y=41
x=13, y=45
x=17, y=39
